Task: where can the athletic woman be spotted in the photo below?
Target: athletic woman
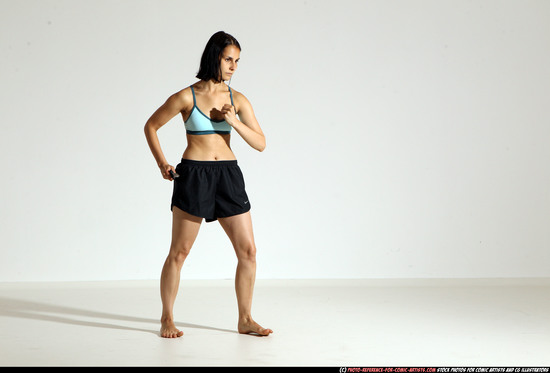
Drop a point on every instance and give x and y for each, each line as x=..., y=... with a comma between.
x=208, y=183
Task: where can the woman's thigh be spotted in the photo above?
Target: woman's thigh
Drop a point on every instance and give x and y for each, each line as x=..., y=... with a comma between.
x=239, y=230
x=185, y=228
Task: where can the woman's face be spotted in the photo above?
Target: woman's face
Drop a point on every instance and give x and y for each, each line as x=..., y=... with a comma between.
x=228, y=64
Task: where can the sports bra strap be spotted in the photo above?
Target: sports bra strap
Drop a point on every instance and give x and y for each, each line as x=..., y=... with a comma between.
x=194, y=99
x=231, y=94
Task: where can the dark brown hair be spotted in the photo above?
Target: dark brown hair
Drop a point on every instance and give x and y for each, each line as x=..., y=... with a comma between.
x=211, y=57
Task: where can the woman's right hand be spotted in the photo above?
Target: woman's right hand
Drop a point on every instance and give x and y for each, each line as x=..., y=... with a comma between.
x=165, y=171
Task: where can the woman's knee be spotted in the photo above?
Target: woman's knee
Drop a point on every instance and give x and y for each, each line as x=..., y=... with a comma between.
x=246, y=251
x=178, y=253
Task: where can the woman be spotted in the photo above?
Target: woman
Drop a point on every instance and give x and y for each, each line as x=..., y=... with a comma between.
x=208, y=182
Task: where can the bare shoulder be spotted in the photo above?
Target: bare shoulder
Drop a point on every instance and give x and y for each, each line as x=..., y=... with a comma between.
x=240, y=100
x=182, y=99
x=238, y=96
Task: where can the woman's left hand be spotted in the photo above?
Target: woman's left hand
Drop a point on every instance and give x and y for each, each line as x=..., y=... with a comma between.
x=229, y=115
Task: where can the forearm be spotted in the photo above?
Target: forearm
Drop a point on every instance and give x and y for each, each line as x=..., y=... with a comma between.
x=154, y=144
x=254, y=139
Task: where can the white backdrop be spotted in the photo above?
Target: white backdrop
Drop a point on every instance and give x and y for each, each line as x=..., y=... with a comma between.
x=405, y=139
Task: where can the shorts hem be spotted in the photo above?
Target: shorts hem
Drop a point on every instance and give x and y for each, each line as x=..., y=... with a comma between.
x=209, y=219
x=234, y=214
x=186, y=211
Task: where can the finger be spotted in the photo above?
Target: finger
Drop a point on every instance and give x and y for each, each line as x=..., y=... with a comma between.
x=166, y=172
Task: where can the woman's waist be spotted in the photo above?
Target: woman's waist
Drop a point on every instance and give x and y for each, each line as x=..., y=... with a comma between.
x=208, y=153
x=208, y=163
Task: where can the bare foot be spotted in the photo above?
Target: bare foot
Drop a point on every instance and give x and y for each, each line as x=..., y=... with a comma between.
x=249, y=326
x=168, y=330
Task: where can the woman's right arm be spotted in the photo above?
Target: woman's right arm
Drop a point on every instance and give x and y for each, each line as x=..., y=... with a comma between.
x=175, y=104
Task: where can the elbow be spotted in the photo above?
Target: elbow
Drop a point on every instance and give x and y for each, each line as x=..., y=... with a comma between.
x=147, y=127
x=261, y=146
x=150, y=127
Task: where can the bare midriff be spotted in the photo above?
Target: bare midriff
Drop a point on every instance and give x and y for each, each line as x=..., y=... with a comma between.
x=214, y=147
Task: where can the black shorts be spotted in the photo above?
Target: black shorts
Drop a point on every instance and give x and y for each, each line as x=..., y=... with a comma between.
x=210, y=189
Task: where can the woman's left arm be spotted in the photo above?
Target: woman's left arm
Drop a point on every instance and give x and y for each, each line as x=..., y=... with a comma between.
x=248, y=126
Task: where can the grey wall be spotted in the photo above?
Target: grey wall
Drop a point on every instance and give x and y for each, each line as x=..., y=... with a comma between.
x=404, y=138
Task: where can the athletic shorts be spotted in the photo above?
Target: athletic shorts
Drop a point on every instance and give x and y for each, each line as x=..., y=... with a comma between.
x=210, y=189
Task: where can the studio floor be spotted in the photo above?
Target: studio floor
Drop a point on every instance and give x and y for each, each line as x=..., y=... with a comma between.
x=422, y=322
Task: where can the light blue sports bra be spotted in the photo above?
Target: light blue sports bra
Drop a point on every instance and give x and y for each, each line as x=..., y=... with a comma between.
x=199, y=123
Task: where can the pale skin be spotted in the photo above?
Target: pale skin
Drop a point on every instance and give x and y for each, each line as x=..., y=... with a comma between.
x=212, y=99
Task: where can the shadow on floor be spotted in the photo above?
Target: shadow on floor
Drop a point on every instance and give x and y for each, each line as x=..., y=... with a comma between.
x=12, y=307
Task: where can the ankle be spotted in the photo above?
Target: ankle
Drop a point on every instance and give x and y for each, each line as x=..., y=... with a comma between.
x=166, y=319
x=245, y=318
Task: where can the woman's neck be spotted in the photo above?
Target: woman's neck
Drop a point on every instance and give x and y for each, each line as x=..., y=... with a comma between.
x=213, y=86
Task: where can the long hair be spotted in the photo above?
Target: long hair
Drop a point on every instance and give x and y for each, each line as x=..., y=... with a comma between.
x=211, y=57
